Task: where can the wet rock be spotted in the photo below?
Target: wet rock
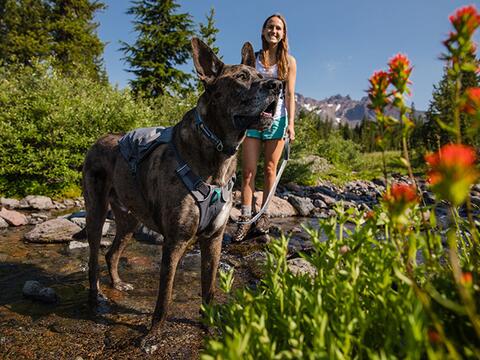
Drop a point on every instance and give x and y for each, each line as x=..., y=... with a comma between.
x=81, y=222
x=52, y=231
x=3, y=223
x=304, y=206
x=328, y=200
x=9, y=203
x=77, y=245
x=13, y=218
x=33, y=289
x=300, y=266
x=36, y=202
x=318, y=203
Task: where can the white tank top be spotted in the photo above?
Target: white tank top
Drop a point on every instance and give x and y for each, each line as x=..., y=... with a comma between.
x=271, y=72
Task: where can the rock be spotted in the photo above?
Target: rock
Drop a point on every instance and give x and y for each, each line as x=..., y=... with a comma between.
x=69, y=203
x=13, y=218
x=294, y=187
x=277, y=208
x=235, y=214
x=77, y=245
x=3, y=223
x=143, y=233
x=35, y=290
x=81, y=222
x=300, y=266
x=56, y=230
x=31, y=288
x=9, y=203
x=36, y=202
x=328, y=200
x=304, y=206
x=318, y=203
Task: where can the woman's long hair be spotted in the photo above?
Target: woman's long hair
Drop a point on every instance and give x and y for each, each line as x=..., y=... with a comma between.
x=282, y=50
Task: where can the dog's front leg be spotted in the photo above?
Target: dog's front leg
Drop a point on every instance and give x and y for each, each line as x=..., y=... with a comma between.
x=170, y=258
x=211, y=249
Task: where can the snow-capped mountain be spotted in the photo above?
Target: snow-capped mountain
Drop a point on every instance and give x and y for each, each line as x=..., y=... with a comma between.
x=341, y=109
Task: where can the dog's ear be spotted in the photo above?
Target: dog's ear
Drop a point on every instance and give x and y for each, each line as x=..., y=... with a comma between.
x=207, y=64
x=248, y=56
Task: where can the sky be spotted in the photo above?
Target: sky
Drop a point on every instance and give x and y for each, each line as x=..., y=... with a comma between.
x=337, y=44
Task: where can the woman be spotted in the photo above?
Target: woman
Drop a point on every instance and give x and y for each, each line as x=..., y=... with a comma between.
x=273, y=61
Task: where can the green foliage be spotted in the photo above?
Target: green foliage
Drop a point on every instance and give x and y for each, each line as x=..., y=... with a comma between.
x=48, y=121
x=40, y=29
x=163, y=43
x=359, y=304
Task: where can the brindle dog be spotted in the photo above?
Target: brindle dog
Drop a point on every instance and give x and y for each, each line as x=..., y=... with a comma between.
x=236, y=97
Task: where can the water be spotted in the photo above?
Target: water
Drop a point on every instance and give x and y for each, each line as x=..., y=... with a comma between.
x=30, y=329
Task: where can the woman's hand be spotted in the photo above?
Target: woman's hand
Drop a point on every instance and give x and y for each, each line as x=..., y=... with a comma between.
x=291, y=132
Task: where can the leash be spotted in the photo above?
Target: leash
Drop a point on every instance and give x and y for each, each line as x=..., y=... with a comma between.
x=286, y=157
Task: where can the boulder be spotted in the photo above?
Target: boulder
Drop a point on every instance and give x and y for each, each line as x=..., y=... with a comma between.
x=13, y=218
x=36, y=202
x=53, y=231
x=304, y=206
x=35, y=290
x=278, y=207
x=9, y=203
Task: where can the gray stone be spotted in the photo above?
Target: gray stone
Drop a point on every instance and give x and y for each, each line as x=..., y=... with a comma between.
x=304, y=206
x=9, y=203
x=77, y=245
x=277, y=208
x=318, y=203
x=13, y=218
x=33, y=289
x=300, y=266
x=81, y=221
x=36, y=202
x=56, y=230
x=143, y=233
x=3, y=223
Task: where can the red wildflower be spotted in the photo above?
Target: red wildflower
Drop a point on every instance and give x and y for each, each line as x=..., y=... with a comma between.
x=452, y=171
x=377, y=93
x=471, y=102
x=465, y=19
x=466, y=279
x=398, y=199
x=399, y=72
x=433, y=336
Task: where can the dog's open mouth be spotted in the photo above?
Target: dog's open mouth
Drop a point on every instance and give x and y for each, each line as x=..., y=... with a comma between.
x=269, y=111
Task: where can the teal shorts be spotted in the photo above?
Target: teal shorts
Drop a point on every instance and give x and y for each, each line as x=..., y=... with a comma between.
x=276, y=131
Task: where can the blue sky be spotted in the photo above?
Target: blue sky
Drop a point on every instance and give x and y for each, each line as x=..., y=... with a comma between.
x=337, y=44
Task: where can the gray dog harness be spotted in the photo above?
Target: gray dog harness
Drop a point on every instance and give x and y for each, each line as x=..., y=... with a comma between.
x=138, y=144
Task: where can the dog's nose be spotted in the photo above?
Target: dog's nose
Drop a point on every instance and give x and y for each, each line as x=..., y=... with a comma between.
x=273, y=84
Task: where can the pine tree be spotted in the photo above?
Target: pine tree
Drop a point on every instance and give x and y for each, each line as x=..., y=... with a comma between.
x=163, y=43
x=24, y=32
x=75, y=41
x=208, y=32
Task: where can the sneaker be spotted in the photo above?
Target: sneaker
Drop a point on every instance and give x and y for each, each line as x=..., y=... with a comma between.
x=242, y=230
x=263, y=224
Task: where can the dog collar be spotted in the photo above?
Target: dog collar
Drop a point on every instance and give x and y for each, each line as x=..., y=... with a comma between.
x=200, y=124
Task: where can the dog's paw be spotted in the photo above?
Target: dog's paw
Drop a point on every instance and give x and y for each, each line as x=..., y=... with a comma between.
x=122, y=286
x=149, y=344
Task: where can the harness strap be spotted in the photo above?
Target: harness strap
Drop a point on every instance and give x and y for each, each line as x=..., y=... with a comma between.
x=219, y=146
x=210, y=199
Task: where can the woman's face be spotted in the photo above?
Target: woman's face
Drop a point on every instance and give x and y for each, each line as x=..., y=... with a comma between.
x=273, y=31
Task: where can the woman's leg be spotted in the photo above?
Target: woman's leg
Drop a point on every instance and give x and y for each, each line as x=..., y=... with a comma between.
x=250, y=152
x=273, y=152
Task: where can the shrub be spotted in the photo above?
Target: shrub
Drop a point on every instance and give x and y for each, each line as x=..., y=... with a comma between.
x=48, y=122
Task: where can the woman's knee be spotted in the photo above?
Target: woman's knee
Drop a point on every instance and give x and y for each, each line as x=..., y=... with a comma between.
x=270, y=169
x=248, y=174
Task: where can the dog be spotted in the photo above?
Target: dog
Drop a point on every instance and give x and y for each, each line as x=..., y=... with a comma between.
x=236, y=98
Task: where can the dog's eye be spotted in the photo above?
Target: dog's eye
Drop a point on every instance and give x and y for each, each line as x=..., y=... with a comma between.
x=242, y=76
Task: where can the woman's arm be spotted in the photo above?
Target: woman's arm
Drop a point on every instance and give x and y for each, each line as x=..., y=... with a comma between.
x=290, y=96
